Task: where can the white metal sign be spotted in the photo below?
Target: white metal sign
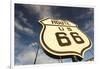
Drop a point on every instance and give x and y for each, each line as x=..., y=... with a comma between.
x=63, y=38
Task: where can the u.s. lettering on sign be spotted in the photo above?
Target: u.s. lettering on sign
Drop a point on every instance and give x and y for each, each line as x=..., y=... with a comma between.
x=63, y=38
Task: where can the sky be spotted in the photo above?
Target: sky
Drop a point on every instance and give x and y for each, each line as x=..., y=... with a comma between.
x=27, y=30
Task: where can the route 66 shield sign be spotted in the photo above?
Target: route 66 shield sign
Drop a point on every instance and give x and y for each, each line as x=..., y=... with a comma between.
x=63, y=38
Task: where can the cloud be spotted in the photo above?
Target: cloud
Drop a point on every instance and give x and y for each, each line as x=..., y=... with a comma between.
x=24, y=53
x=42, y=11
x=27, y=56
x=87, y=18
x=23, y=19
x=89, y=26
x=34, y=44
x=18, y=26
x=43, y=58
x=26, y=30
x=88, y=14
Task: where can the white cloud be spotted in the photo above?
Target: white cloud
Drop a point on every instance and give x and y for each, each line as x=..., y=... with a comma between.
x=43, y=58
x=85, y=15
x=22, y=28
x=35, y=43
x=89, y=26
x=18, y=26
x=28, y=30
x=27, y=56
x=43, y=11
x=23, y=19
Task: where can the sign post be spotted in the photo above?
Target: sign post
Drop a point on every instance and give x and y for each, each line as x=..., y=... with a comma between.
x=63, y=39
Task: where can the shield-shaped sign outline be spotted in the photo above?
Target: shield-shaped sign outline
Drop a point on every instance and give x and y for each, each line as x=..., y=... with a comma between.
x=81, y=54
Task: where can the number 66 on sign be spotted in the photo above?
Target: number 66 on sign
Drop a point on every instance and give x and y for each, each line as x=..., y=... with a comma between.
x=63, y=38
